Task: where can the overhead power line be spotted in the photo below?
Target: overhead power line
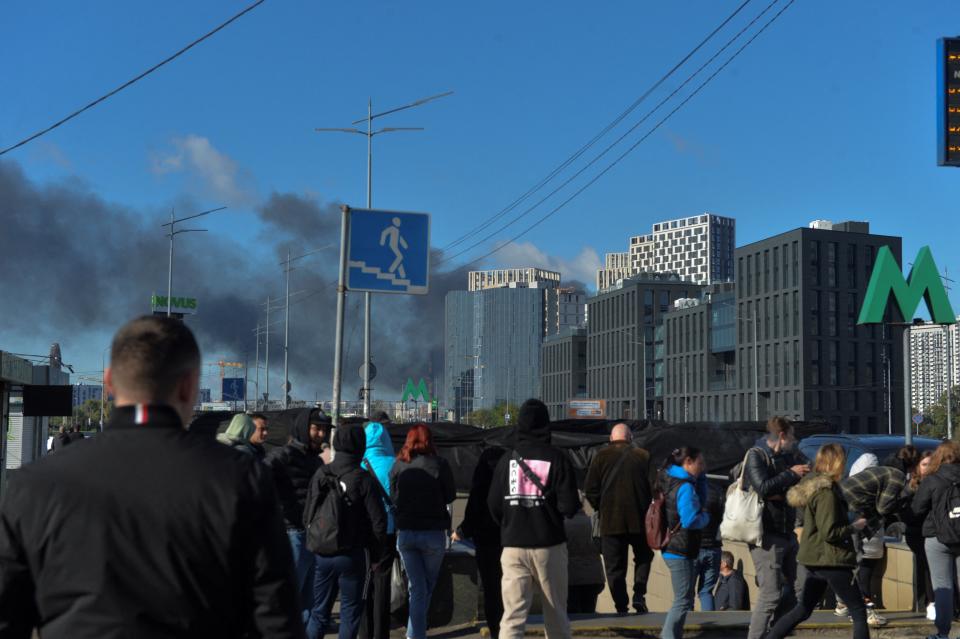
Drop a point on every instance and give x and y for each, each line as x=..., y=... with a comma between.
x=586, y=147
x=623, y=155
x=132, y=81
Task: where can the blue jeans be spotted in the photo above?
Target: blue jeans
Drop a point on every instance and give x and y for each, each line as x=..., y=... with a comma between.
x=348, y=573
x=304, y=563
x=422, y=552
x=682, y=576
x=706, y=569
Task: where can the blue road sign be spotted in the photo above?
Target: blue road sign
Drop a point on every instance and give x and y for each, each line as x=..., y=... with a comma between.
x=918, y=419
x=233, y=389
x=388, y=252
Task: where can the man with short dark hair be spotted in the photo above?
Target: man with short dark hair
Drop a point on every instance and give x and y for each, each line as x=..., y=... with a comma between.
x=76, y=434
x=618, y=488
x=772, y=467
x=181, y=536
x=293, y=465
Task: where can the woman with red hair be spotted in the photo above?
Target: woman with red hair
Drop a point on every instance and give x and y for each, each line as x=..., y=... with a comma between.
x=421, y=486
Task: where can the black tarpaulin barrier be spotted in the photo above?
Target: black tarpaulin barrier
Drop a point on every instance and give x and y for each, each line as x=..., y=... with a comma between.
x=723, y=444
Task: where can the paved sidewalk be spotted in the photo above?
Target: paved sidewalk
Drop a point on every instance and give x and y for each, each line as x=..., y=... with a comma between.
x=732, y=625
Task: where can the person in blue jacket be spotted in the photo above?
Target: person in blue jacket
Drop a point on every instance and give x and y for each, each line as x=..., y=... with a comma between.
x=378, y=460
x=685, y=485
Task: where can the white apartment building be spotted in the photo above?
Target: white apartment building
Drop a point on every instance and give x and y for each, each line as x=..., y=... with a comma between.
x=699, y=249
x=928, y=363
x=512, y=278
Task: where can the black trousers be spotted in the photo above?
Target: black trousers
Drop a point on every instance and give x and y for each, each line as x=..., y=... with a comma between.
x=375, y=621
x=582, y=599
x=491, y=575
x=614, y=549
x=815, y=584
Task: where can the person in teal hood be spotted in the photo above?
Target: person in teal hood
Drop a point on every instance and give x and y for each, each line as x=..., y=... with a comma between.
x=243, y=435
x=378, y=460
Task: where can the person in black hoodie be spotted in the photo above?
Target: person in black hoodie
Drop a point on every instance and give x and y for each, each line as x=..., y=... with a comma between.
x=421, y=486
x=933, y=502
x=533, y=489
x=181, y=536
x=292, y=467
x=479, y=526
x=365, y=520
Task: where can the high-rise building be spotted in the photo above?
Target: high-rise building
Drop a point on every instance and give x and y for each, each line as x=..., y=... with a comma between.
x=699, y=249
x=205, y=396
x=800, y=293
x=529, y=277
x=565, y=308
x=625, y=354
x=563, y=370
x=84, y=392
x=492, y=342
x=931, y=363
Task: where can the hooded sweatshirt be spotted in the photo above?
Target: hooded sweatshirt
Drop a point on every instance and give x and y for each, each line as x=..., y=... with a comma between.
x=686, y=499
x=379, y=458
x=528, y=517
x=932, y=499
x=293, y=465
x=238, y=435
x=364, y=517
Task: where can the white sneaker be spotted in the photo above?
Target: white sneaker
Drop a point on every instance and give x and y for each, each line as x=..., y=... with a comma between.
x=931, y=612
x=874, y=619
x=841, y=610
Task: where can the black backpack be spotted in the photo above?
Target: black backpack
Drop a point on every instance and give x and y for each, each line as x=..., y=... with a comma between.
x=948, y=521
x=326, y=515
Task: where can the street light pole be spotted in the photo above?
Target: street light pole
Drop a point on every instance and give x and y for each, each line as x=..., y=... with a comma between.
x=286, y=338
x=756, y=369
x=173, y=232
x=369, y=133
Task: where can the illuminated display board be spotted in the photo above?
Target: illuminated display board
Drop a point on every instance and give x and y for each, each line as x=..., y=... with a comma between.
x=948, y=101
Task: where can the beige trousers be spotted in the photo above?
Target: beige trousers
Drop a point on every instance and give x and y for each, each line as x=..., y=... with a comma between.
x=526, y=570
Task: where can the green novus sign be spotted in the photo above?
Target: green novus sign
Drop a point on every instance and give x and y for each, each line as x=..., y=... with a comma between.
x=923, y=283
x=414, y=392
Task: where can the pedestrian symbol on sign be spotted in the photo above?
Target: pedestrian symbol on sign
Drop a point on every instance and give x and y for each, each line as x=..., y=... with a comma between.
x=392, y=233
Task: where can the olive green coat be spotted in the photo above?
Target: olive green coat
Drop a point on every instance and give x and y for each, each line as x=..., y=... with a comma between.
x=827, y=540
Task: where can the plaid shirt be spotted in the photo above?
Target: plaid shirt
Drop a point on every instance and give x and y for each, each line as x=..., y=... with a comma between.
x=874, y=493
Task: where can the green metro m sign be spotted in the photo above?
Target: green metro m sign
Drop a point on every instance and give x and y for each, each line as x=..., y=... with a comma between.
x=413, y=392
x=923, y=282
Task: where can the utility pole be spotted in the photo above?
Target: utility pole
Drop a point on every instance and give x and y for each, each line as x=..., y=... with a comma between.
x=286, y=338
x=756, y=369
x=266, y=397
x=369, y=133
x=171, y=235
x=256, y=398
x=341, y=303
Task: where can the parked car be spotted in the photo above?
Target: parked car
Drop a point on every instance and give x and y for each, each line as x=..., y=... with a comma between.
x=856, y=445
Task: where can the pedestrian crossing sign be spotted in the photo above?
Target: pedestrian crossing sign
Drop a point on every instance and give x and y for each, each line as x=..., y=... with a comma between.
x=388, y=252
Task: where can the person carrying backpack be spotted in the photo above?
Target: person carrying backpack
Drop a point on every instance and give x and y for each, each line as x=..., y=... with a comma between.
x=344, y=519
x=421, y=486
x=534, y=489
x=937, y=500
x=684, y=486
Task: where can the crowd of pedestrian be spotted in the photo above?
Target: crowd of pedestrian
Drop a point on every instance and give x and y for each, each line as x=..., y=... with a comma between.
x=186, y=536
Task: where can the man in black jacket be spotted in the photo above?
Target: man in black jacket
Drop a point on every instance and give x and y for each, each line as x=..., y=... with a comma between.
x=181, y=536
x=292, y=467
x=533, y=489
x=618, y=488
x=363, y=526
x=772, y=467
x=479, y=526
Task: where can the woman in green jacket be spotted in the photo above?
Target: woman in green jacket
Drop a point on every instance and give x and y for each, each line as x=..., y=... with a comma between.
x=826, y=548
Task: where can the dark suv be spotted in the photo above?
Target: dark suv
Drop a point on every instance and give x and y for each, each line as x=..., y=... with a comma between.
x=856, y=445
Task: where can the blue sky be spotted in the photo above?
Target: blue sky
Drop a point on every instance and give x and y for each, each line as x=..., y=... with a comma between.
x=829, y=114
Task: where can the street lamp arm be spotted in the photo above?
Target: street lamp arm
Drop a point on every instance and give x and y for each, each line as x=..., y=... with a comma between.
x=391, y=129
x=190, y=217
x=336, y=130
x=178, y=232
x=404, y=107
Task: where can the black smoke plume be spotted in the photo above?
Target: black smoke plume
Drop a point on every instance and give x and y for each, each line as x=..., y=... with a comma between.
x=76, y=265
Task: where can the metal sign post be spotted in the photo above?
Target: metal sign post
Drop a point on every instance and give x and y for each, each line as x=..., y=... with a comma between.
x=341, y=303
